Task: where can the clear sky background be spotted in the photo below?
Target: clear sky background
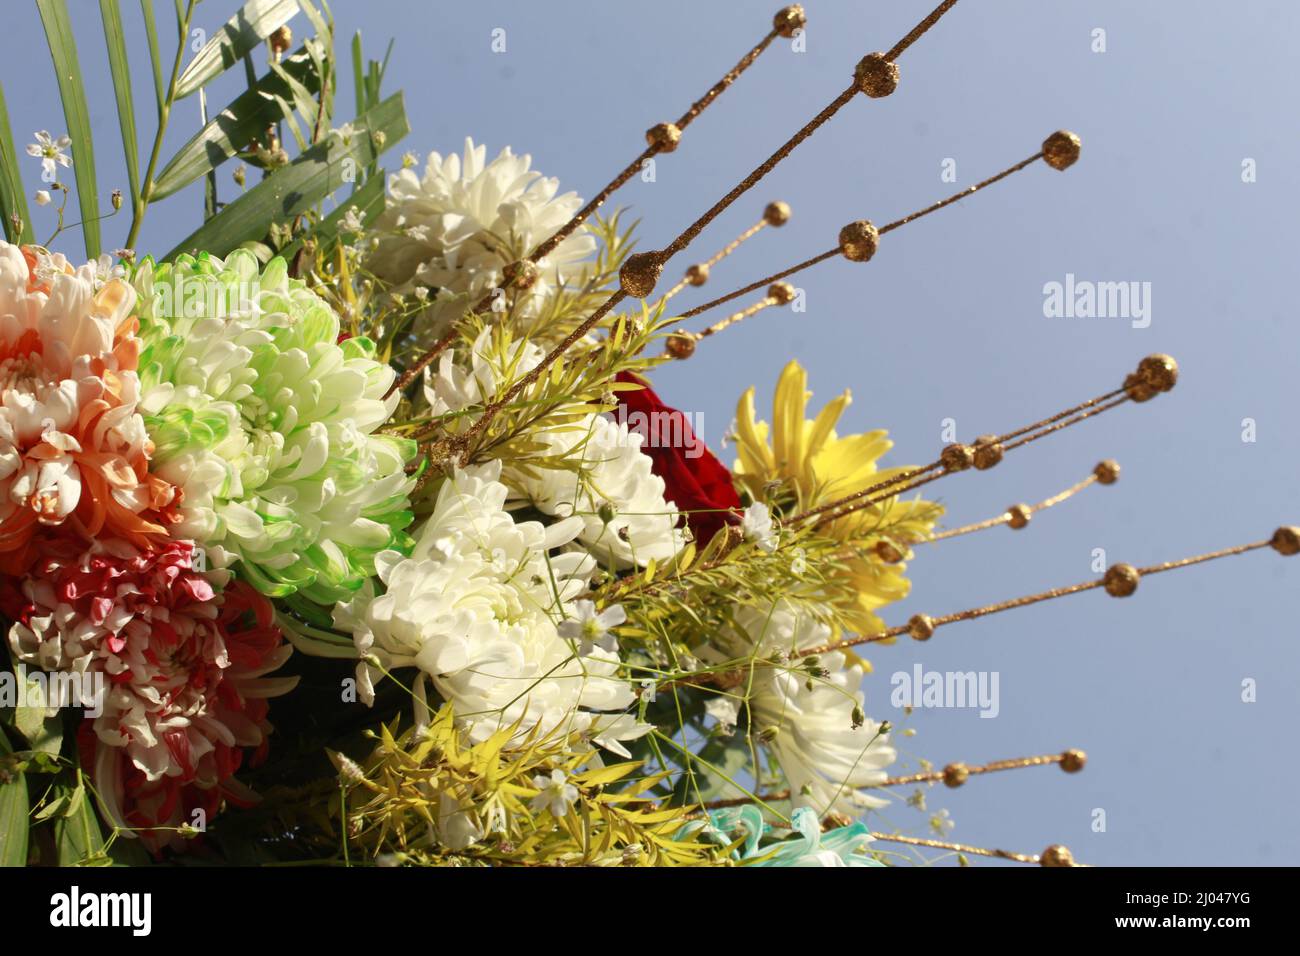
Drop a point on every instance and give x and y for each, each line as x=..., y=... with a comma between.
x=947, y=322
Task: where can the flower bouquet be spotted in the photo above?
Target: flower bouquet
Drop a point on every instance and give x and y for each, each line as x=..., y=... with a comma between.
x=352, y=529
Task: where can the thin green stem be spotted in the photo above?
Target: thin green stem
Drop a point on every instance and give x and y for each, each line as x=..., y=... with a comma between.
x=141, y=202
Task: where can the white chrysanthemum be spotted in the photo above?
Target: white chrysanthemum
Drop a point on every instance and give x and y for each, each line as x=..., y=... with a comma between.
x=71, y=439
x=626, y=521
x=267, y=422
x=455, y=229
x=809, y=721
x=475, y=608
x=452, y=387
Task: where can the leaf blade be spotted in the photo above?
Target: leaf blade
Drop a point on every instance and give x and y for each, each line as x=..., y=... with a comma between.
x=63, y=51
x=13, y=201
x=14, y=807
x=232, y=129
x=255, y=21
x=120, y=69
x=295, y=188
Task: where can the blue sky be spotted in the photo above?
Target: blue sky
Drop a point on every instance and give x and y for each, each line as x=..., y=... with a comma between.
x=947, y=322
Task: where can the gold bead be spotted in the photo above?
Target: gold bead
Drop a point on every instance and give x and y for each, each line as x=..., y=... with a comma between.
x=957, y=457
x=1061, y=149
x=876, y=76
x=782, y=292
x=1056, y=855
x=788, y=19
x=1072, y=760
x=776, y=213
x=988, y=452
x=698, y=274
x=1121, y=580
x=1286, y=540
x=1107, y=471
x=921, y=627
x=680, y=345
x=664, y=137
x=858, y=241
x=521, y=275
x=280, y=40
x=888, y=552
x=1138, y=390
x=1158, y=372
x=955, y=774
x=1018, y=516
x=639, y=273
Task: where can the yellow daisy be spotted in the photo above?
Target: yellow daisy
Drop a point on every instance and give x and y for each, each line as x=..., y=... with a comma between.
x=806, y=464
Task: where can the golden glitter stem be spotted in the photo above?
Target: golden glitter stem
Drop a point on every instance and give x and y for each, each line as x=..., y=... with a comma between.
x=658, y=259
x=973, y=613
x=734, y=318
x=462, y=442
x=958, y=196
x=1006, y=516
x=932, y=776
x=685, y=120
x=688, y=235
x=995, y=766
x=955, y=847
x=767, y=280
x=914, y=478
x=919, y=30
x=717, y=257
x=586, y=212
x=890, y=227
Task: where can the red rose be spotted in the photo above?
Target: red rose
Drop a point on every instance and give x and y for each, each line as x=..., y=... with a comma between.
x=695, y=481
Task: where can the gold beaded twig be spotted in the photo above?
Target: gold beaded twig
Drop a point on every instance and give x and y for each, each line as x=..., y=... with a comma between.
x=956, y=774
x=953, y=775
x=1155, y=374
x=1017, y=516
x=681, y=344
x=1120, y=580
x=859, y=240
x=1054, y=855
x=875, y=76
x=775, y=214
x=661, y=138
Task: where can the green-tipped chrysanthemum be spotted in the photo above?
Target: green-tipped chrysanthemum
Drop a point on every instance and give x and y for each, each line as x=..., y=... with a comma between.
x=265, y=420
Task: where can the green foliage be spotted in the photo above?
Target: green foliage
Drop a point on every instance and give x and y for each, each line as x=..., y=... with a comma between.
x=67, y=67
x=239, y=124
x=254, y=22
x=421, y=795
x=13, y=807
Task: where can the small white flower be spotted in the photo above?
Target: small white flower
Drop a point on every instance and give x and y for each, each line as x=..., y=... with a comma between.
x=731, y=434
x=590, y=629
x=757, y=526
x=648, y=692
x=351, y=221
x=800, y=563
x=344, y=133
x=50, y=151
x=42, y=197
x=726, y=712
x=555, y=793
x=106, y=270
x=421, y=293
